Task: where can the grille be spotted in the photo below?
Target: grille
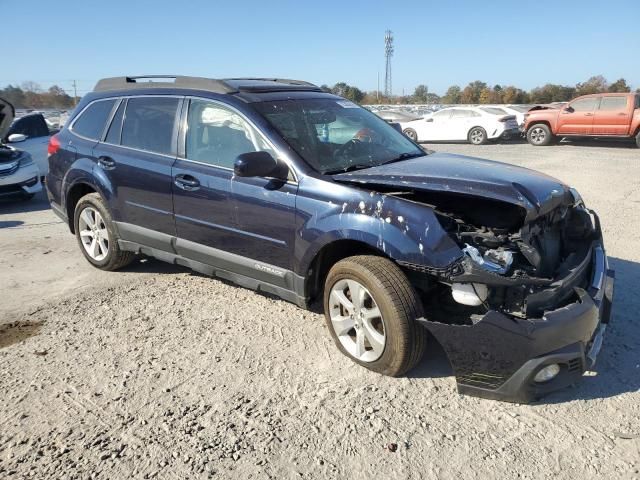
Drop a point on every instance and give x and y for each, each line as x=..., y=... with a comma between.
x=8, y=189
x=574, y=365
x=8, y=169
x=455, y=268
x=482, y=380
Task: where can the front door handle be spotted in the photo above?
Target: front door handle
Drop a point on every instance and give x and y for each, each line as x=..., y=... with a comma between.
x=187, y=182
x=107, y=163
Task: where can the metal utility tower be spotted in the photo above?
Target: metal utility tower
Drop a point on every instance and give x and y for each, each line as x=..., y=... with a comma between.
x=388, y=53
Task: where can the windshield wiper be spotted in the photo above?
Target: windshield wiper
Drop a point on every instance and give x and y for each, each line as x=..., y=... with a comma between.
x=349, y=168
x=405, y=156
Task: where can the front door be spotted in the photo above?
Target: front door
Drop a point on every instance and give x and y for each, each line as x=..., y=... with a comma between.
x=613, y=116
x=577, y=117
x=217, y=213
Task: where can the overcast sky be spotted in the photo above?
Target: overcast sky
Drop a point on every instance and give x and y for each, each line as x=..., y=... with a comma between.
x=436, y=43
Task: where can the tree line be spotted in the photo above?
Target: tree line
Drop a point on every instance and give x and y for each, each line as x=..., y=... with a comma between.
x=479, y=92
x=30, y=95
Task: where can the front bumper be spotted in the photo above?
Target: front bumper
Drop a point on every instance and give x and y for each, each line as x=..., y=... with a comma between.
x=498, y=357
x=24, y=181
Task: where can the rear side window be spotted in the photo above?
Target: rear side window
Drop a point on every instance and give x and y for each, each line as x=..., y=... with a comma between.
x=91, y=122
x=613, y=103
x=494, y=111
x=149, y=123
x=464, y=114
x=442, y=114
x=113, y=135
x=585, y=104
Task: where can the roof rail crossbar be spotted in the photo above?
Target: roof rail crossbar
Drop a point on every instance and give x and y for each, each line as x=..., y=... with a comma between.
x=133, y=81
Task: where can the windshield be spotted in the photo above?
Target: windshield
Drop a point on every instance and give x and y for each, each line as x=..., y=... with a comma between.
x=335, y=135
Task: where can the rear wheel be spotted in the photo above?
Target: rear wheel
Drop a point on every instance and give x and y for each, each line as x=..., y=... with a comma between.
x=638, y=139
x=539, y=135
x=97, y=236
x=477, y=136
x=370, y=309
x=411, y=133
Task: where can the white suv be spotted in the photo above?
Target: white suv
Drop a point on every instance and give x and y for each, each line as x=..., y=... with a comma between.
x=19, y=175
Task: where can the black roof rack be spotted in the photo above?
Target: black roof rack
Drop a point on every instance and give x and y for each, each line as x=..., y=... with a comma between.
x=229, y=85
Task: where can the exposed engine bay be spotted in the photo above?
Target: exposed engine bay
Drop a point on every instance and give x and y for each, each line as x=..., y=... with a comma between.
x=522, y=269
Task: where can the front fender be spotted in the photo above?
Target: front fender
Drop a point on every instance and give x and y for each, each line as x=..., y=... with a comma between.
x=403, y=230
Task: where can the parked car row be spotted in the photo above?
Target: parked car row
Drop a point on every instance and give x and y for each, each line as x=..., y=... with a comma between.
x=606, y=115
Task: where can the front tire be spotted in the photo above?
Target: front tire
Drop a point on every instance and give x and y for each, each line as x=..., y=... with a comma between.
x=539, y=135
x=97, y=236
x=412, y=134
x=371, y=309
x=477, y=136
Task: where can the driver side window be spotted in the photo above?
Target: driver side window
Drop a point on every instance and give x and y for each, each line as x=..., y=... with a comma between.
x=217, y=135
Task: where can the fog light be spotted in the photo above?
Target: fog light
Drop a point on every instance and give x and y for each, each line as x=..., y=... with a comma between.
x=547, y=373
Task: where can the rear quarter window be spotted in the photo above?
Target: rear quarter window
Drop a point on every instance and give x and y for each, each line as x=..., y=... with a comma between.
x=92, y=121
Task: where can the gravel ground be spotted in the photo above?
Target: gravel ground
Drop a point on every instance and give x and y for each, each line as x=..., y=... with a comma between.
x=156, y=372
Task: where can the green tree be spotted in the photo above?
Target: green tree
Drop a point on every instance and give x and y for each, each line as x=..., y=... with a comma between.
x=420, y=94
x=471, y=93
x=595, y=84
x=619, y=86
x=347, y=91
x=453, y=95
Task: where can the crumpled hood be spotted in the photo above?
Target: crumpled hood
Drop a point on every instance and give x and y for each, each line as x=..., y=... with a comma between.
x=7, y=113
x=536, y=192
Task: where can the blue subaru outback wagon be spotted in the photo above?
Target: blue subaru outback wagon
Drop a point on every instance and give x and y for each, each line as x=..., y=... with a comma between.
x=280, y=187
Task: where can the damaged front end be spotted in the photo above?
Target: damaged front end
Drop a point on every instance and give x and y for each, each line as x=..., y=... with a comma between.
x=523, y=310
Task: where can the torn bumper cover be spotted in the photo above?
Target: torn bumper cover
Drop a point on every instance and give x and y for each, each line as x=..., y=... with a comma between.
x=499, y=356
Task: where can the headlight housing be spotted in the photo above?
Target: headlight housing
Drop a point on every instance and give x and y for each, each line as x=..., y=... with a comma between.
x=26, y=160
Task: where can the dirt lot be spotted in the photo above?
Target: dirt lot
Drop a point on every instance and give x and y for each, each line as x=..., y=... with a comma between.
x=156, y=372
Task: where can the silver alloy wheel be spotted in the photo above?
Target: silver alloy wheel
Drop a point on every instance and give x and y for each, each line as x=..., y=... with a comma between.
x=411, y=134
x=356, y=320
x=538, y=135
x=477, y=136
x=93, y=234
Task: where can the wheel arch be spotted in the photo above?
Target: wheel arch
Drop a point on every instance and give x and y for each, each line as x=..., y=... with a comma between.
x=540, y=122
x=329, y=255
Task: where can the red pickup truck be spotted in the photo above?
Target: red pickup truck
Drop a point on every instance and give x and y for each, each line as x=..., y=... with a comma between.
x=600, y=115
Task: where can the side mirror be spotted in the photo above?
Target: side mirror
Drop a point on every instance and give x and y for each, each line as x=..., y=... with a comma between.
x=568, y=109
x=259, y=164
x=430, y=119
x=16, y=137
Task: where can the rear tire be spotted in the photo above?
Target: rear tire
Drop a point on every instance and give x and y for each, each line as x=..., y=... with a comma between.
x=638, y=139
x=387, y=288
x=539, y=135
x=477, y=136
x=412, y=134
x=97, y=236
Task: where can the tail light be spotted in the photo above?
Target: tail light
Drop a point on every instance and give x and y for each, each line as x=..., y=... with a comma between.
x=54, y=145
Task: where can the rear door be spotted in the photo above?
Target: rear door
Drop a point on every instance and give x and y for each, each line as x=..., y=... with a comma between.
x=462, y=120
x=577, y=117
x=613, y=115
x=135, y=159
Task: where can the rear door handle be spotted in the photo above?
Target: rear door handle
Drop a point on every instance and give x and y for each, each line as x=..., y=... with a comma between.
x=107, y=163
x=186, y=182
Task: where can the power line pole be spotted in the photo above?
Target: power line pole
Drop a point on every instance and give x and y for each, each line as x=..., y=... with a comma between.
x=75, y=93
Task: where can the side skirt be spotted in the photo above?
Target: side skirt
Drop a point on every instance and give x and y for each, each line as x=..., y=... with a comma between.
x=242, y=271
